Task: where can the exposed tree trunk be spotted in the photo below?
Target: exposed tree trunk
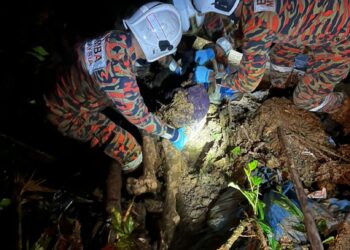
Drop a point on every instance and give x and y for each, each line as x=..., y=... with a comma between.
x=113, y=187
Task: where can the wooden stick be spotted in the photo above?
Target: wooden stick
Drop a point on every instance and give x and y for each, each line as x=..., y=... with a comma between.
x=235, y=235
x=309, y=221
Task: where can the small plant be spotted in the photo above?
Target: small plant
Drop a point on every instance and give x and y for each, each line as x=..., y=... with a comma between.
x=39, y=53
x=252, y=195
x=329, y=240
x=123, y=227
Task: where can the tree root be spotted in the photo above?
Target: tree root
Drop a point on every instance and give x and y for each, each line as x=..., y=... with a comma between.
x=113, y=187
x=170, y=217
x=145, y=184
x=235, y=235
x=148, y=182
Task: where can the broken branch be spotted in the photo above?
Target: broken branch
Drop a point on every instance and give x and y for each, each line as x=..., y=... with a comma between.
x=309, y=221
x=235, y=235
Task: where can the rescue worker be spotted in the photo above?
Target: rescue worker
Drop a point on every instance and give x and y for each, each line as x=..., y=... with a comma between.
x=103, y=76
x=321, y=26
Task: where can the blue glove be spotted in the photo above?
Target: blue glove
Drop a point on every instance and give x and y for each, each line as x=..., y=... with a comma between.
x=178, y=71
x=204, y=55
x=226, y=92
x=180, y=138
x=202, y=74
x=222, y=93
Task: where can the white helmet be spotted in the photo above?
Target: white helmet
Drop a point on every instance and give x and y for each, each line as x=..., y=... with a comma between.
x=225, y=7
x=189, y=15
x=157, y=28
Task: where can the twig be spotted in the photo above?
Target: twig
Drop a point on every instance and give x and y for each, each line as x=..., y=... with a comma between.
x=128, y=211
x=261, y=236
x=309, y=221
x=235, y=235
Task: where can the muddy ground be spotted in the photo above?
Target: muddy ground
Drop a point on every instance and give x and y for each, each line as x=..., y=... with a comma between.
x=250, y=124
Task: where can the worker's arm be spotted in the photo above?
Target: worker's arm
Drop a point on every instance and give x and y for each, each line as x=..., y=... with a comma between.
x=258, y=38
x=128, y=101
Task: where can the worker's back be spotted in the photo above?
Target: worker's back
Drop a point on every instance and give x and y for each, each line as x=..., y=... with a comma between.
x=100, y=63
x=299, y=22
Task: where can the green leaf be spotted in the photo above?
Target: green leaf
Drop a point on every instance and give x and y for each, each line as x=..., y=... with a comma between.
x=251, y=196
x=256, y=180
x=41, y=51
x=273, y=243
x=236, y=151
x=287, y=204
x=253, y=165
x=261, y=206
x=329, y=240
x=266, y=228
x=5, y=202
x=321, y=225
x=129, y=225
x=247, y=172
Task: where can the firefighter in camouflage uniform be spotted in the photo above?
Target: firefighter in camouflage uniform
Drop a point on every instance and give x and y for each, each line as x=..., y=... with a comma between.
x=103, y=76
x=321, y=26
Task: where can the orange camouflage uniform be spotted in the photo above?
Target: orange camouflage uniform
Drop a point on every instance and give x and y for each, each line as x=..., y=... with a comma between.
x=323, y=26
x=102, y=77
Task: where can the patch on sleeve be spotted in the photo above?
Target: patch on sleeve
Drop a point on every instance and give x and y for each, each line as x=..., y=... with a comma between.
x=264, y=5
x=95, y=54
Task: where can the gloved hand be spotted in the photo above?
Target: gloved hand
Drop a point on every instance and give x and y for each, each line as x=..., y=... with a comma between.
x=202, y=74
x=179, y=71
x=180, y=138
x=225, y=91
x=204, y=55
x=222, y=93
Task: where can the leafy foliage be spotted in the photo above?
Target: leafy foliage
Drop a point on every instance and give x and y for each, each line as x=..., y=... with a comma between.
x=123, y=227
x=252, y=195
